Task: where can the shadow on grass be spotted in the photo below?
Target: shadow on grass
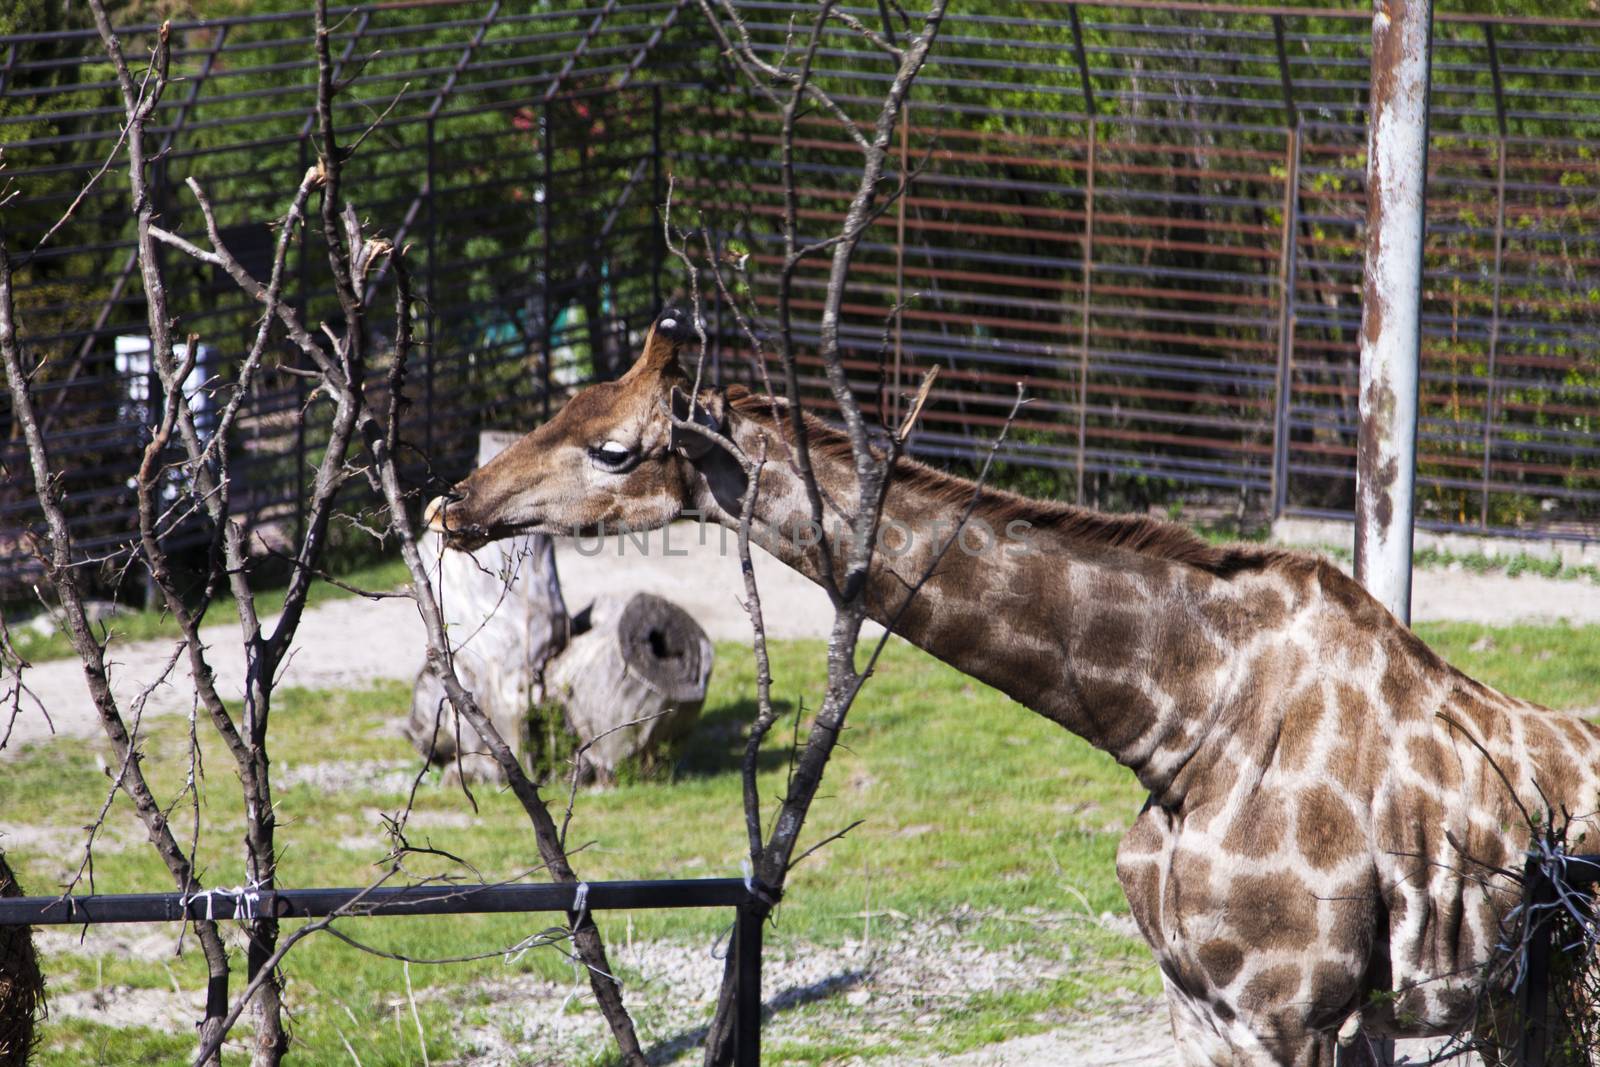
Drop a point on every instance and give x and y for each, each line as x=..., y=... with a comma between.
x=716, y=745
x=670, y=1048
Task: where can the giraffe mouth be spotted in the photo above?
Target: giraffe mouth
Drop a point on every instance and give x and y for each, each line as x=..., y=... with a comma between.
x=443, y=517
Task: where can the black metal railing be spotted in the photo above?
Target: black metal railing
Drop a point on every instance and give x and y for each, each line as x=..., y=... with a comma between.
x=435, y=899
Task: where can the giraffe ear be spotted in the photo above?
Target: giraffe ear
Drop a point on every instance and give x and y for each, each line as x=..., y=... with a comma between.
x=707, y=411
x=724, y=476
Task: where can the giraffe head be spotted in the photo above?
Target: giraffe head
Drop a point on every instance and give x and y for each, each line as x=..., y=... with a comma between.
x=610, y=459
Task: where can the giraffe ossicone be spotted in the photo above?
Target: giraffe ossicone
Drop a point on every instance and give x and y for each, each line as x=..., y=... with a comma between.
x=1335, y=813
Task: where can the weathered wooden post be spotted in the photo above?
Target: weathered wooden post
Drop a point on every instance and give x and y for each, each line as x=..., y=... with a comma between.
x=1391, y=308
x=506, y=620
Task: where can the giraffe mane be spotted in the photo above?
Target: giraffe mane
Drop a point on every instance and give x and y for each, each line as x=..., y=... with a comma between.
x=1150, y=537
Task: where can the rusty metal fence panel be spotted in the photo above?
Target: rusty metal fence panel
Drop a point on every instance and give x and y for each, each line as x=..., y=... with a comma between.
x=1151, y=215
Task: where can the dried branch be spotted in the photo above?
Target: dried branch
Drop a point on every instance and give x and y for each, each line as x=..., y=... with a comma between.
x=766, y=715
x=111, y=158
x=86, y=865
x=844, y=576
x=824, y=843
x=758, y=72
x=585, y=934
x=576, y=760
x=921, y=400
x=12, y=666
x=91, y=652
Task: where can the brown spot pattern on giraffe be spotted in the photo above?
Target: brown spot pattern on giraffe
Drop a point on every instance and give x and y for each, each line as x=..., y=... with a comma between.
x=1334, y=992
x=1221, y=961
x=1257, y=830
x=1270, y=986
x=1302, y=721
x=1272, y=911
x=1325, y=828
x=1351, y=933
x=1116, y=713
x=1430, y=758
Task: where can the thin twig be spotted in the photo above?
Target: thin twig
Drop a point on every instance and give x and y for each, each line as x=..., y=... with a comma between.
x=830, y=839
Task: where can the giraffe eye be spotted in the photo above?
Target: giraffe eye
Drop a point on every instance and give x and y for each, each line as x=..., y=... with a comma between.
x=612, y=457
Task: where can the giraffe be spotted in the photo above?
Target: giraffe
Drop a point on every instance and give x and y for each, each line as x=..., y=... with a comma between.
x=1333, y=808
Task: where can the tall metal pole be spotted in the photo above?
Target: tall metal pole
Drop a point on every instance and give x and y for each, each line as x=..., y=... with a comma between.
x=1391, y=308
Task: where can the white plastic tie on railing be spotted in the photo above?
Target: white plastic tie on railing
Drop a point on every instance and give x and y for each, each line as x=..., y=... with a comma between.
x=749, y=875
x=580, y=902
x=191, y=898
x=246, y=898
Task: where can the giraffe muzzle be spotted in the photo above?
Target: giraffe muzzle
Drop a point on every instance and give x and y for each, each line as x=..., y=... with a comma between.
x=433, y=515
x=443, y=516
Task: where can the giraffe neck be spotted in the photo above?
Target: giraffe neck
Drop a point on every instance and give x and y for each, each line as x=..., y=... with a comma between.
x=1108, y=641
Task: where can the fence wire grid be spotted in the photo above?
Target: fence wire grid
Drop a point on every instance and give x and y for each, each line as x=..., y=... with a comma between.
x=1150, y=213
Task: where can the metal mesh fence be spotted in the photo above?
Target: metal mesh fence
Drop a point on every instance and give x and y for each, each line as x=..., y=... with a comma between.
x=1148, y=212
x=518, y=159
x=1152, y=215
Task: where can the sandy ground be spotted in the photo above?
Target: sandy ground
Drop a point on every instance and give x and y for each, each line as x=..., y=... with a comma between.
x=693, y=566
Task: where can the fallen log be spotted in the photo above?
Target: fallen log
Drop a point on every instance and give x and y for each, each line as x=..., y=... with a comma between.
x=632, y=680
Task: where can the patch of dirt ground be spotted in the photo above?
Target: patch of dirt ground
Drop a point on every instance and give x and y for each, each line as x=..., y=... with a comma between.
x=884, y=991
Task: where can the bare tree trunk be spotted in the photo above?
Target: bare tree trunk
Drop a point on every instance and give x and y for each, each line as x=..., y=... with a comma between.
x=339, y=361
x=62, y=572
x=789, y=86
x=21, y=984
x=590, y=949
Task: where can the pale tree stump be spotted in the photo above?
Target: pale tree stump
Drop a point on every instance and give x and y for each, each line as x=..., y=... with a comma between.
x=21, y=984
x=505, y=619
x=632, y=682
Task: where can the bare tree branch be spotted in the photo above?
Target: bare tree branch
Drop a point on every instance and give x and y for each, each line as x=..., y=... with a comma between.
x=91, y=652
x=843, y=573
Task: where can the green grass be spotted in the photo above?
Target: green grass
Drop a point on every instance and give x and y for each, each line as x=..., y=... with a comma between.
x=1018, y=809
x=1555, y=664
x=145, y=625
x=1478, y=563
x=970, y=802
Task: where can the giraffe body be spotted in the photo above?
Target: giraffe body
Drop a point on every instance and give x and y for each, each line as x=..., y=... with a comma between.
x=1328, y=825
